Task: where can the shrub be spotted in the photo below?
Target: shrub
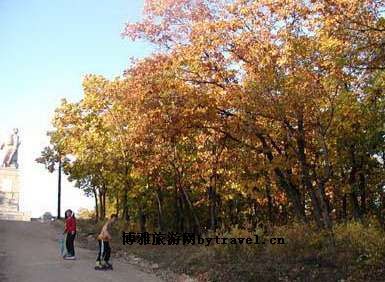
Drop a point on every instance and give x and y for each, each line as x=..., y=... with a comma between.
x=365, y=242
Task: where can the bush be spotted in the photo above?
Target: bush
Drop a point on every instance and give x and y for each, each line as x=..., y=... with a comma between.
x=365, y=242
x=301, y=241
x=351, y=251
x=238, y=250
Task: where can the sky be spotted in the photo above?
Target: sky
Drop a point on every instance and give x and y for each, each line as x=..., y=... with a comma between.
x=46, y=48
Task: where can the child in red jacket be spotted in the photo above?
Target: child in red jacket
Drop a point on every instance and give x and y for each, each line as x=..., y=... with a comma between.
x=70, y=229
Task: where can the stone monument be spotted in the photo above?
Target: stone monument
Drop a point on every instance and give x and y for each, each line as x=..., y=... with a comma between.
x=10, y=180
x=11, y=148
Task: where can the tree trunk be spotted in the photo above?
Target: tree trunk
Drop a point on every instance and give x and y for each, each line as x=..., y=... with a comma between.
x=142, y=220
x=285, y=183
x=159, y=200
x=197, y=228
x=353, y=196
x=59, y=190
x=353, y=186
x=320, y=209
x=101, y=205
x=269, y=202
x=362, y=187
x=96, y=204
x=255, y=219
x=181, y=214
x=104, y=202
x=177, y=210
x=355, y=206
x=344, y=208
x=117, y=206
x=324, y=207
x=293, y=194
x=126, y=215
x=316, y=208
x=212, y=208
x=381, y=208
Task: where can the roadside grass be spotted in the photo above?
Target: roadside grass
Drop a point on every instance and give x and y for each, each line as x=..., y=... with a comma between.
x=351, y=252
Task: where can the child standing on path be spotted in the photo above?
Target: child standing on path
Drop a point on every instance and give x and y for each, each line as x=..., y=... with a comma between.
x=104, y=238
x=70, y=229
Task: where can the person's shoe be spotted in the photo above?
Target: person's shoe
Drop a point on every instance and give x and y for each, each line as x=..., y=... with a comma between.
x=98, y=266
x=70, y=258
x=109, y=266
x=102, y=266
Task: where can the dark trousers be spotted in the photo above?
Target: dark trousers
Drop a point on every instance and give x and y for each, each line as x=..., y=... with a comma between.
x=70, y=244
x=104, y=251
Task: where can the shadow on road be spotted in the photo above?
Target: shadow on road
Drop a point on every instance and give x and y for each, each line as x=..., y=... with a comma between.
x=2, y=198
x=3, y=257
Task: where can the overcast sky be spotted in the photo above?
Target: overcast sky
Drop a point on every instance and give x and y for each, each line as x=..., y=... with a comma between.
x=46, y=47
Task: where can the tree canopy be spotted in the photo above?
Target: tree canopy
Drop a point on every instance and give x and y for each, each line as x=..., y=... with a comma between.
x=249, y=113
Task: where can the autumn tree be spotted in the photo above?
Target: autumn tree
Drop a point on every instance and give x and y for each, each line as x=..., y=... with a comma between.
x=51, y=157
x=250, y=113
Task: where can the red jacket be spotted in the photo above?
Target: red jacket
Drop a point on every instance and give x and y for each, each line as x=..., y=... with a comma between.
x=70, y=225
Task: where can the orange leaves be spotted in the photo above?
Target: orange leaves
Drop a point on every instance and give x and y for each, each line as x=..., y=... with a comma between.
x=242, y=94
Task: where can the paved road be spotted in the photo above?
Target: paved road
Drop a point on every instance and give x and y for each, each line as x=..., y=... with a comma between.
x=29, y=253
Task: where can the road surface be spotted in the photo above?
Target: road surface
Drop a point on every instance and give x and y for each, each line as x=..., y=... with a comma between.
x=29, y=253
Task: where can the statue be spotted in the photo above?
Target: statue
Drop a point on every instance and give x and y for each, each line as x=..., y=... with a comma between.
x=11, y=147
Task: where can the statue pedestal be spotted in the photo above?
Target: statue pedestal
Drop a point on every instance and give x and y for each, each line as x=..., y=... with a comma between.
x=10, y=195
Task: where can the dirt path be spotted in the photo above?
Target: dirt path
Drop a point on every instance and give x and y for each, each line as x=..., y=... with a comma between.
x=29, y=253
